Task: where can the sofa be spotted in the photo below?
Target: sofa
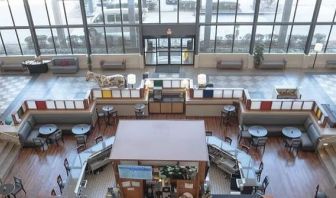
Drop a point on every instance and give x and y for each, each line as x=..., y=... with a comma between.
x=273, y=64
x=225, y=64
x=12, y=67
x=30, y=126
x=64, y=65
x=274, y=123
x=121, y=65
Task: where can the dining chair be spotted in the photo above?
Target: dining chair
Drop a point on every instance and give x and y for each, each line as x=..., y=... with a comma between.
x=243, y=133
x=100, y=116
x=228, y=140
x=40, y=143
x=114, y=116
x=263, y=186
x=60, y=183
x=18, y=186
x=99, y=139
x=259, y=142
x=245, y=148
x=53, y=193
x=293, y=144
x=67, y=166
x=319, y=194
x=259, y=171
x=224, y=117
x=139, y=114
x=58, y=135
x=81, y=139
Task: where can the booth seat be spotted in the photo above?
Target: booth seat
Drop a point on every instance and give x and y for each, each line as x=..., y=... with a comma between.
x=64, y=65
x=30, y=126
x=274, y=123
x=11, y=67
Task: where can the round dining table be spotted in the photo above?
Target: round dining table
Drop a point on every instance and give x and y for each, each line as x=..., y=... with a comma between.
x=229, y=108
x=81, y=129
x=291, y=132
x=47, y=129
x=107, y=110
x=139, y=107
x=257, y=131
x=6, y=189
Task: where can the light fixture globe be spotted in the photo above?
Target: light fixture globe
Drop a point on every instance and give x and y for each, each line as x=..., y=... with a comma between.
x=131, y=79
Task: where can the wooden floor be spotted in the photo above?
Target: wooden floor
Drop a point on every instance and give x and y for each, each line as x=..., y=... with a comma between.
x=290, y=176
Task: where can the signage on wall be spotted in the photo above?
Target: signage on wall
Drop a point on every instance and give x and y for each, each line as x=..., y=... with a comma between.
x=135, y=172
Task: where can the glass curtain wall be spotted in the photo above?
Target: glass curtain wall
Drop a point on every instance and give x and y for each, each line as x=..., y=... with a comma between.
x=114, y=26
x=14, y=29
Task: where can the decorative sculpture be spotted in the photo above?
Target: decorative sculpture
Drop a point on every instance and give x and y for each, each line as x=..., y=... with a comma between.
x=116, y=80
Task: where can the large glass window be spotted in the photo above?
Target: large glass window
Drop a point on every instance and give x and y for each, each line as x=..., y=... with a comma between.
x=246, y=11
x=224, y=39
x=327, y=11
x=320, y=36
x=11, y=42
x=242, y=38
x=298, y=38
x=207, y=39
x=331, y=48
x=267, y=10
x=187, y=11
x=168, y=11
x=131, y=41
x=150, y=11
x=114, y=40
x=26, y=49
x=305, y=9
x=280, y=38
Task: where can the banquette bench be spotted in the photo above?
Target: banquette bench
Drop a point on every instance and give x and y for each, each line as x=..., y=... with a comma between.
x=273, y=64
x=11, y=67
x=30, y=128
x=226, y=64
x=113, y=64
x=64, y=65
x=331, y=64
x=274, y=123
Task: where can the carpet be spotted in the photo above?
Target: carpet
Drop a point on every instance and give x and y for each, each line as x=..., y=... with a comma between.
x=167, y=69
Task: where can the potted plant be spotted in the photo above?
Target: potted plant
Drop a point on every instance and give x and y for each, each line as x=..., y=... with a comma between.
x=258, y=54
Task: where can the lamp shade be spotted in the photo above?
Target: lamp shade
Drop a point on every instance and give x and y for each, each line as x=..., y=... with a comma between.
x=201, y=79
x=131, y=79
x=318, y=47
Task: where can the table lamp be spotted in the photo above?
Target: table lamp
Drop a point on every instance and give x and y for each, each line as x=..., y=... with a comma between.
x=131, y=79
x=201, y=79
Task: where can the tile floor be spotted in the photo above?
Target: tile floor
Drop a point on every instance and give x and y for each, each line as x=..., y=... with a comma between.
x=319, y=86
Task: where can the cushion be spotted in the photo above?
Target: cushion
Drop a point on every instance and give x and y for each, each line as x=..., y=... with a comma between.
x=33, y=134
x=25, y=130
x=305, y=141
x=313, y=134
x=307, y=123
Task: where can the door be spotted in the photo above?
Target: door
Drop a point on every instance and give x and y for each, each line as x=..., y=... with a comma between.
x=169, y=50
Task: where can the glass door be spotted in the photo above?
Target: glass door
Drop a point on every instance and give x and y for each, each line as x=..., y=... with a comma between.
x=169, y=51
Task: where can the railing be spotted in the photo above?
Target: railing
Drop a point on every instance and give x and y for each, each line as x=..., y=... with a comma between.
x=9, y=137
x=327, y=140
x=43, y=105
x=216, y=93
x=117, y=93
x=169, y=83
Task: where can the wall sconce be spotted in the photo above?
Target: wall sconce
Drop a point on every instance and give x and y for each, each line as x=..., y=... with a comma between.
x=318, y=48
x=131, y=79
x=201, y=79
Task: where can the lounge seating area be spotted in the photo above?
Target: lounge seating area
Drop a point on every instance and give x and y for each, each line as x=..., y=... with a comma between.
x=113, y=65
x=12, y=67
x=227, y=64
x=270, y=64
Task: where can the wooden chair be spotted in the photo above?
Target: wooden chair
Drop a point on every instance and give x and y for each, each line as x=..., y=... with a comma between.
x=243, y=133
x=67, y=166
x=80, y=148
x=259, y=171
x=40, y=143
x=60, y=183
x=224, y=117
x=99, y=139
x=18, y=187
x=228, y=140
x=245, y=148
x=259, y=142
x=319, y=194
x=81, y=139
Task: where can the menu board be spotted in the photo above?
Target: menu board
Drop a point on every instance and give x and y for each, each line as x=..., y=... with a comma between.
x=135, y=172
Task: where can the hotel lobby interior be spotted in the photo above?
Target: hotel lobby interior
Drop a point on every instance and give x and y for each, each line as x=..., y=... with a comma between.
x=168, y=98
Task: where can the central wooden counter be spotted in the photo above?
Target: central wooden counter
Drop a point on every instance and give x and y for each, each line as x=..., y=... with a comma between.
x=157, y=143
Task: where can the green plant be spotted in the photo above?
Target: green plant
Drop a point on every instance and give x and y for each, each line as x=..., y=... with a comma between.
x=178, y=172
x=258, y=54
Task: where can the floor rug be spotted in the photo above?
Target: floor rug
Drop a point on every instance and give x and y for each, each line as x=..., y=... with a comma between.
x=167, y=69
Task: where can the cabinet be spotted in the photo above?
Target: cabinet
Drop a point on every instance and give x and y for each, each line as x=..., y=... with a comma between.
x=166, y=107
x=155, y=107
